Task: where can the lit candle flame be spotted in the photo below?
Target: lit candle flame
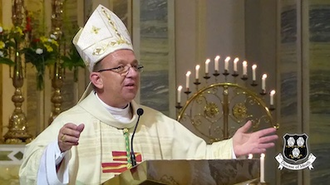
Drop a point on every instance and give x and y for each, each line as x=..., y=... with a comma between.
x=207, y=65
x=216, y=63
x=226, y=63
x=244, y=68
x=197, y=71
x=254, y=67
x=272, y=93
x=235, y=64
x=187, y=79
x=263, y=82
x=262, y=167
x=179, y=94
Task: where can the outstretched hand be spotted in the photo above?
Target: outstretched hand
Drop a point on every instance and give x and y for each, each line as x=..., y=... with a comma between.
x=245, y=143
x=68, y=136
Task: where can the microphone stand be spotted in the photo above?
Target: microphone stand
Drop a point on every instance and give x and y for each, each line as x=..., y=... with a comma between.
x=139, y=112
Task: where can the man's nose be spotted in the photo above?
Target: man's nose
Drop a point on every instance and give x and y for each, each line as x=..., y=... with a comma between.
x=131, y=72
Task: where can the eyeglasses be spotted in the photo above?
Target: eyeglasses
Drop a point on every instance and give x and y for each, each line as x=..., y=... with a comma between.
x=123, y=70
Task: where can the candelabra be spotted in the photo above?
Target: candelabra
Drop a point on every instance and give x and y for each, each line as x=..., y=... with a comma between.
x=58, y=70
x=231, y=103
x=17, y=128
x=217, y=109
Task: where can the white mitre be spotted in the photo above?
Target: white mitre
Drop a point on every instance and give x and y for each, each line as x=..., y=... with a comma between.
x=103, y=34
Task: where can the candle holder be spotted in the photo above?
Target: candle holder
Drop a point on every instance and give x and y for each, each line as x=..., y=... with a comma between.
x=235, y=74
x=244, y=77
x=254, y=83
x=187, y=91
x=17, y=127
x=197, y=82
x=206, y=76
x=226, y=73
x=263, y=92
x=271, y=107
x=178, y=105
x=216, y=73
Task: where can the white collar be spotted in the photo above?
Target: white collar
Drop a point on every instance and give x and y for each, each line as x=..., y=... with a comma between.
x=123, y=115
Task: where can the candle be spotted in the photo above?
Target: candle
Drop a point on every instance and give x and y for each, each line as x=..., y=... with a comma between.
x=207, y=65
x=187, y=79
x=272, y=93
x=263, y=82
x=179, y=94
x=226, y=63
x=216, y=63
x=262, y=168
x=250, y=156
x=244, y=68
x=197, y=71
x=254, y=67
x=235, y=64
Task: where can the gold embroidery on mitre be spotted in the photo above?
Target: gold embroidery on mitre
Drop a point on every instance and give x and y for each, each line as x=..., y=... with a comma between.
x=121, y=38
x=87, y=63
x=98, y=50
x=95, y=30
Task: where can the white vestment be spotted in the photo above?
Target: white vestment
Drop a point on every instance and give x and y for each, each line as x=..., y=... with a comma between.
x=101, y=152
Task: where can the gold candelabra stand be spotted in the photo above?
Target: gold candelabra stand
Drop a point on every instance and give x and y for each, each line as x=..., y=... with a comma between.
x=58, y=70
x=17, y=128
x=57, y=83
x=217, y=110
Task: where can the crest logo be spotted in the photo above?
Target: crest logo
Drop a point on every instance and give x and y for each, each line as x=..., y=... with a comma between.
x=295, y=153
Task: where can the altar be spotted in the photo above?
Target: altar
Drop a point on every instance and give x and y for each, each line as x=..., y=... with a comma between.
x=10, y=161
x=239, y=171
x=183, y=172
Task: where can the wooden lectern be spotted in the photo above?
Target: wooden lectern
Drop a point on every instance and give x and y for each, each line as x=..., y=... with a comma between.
x=190, y=172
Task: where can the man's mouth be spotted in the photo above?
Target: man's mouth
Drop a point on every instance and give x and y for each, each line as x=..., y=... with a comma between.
x=130, y=85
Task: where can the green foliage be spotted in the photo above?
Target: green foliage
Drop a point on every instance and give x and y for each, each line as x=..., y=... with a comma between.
x=73, y=61
x=41, y=52
x=10, y=42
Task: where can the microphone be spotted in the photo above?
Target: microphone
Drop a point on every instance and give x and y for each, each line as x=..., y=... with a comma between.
x=139, y=112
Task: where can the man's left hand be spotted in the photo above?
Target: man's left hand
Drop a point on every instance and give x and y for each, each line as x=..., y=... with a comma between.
x=245, y=143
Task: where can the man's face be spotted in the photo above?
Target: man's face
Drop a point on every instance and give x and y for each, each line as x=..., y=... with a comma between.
x=118, y=89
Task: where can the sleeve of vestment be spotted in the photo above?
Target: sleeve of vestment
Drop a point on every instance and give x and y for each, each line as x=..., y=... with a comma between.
x=186, y=145
x=48, y=173
x=196, y=148
x=33, y=156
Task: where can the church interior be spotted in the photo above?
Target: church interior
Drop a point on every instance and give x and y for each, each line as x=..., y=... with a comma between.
x=275, y=50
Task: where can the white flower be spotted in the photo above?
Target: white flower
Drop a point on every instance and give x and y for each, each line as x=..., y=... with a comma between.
x=39, y=51
x=1, y=29
x=53, y=36
x=1, y=54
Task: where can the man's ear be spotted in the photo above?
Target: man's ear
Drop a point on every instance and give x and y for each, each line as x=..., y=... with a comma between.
x=96, y=79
